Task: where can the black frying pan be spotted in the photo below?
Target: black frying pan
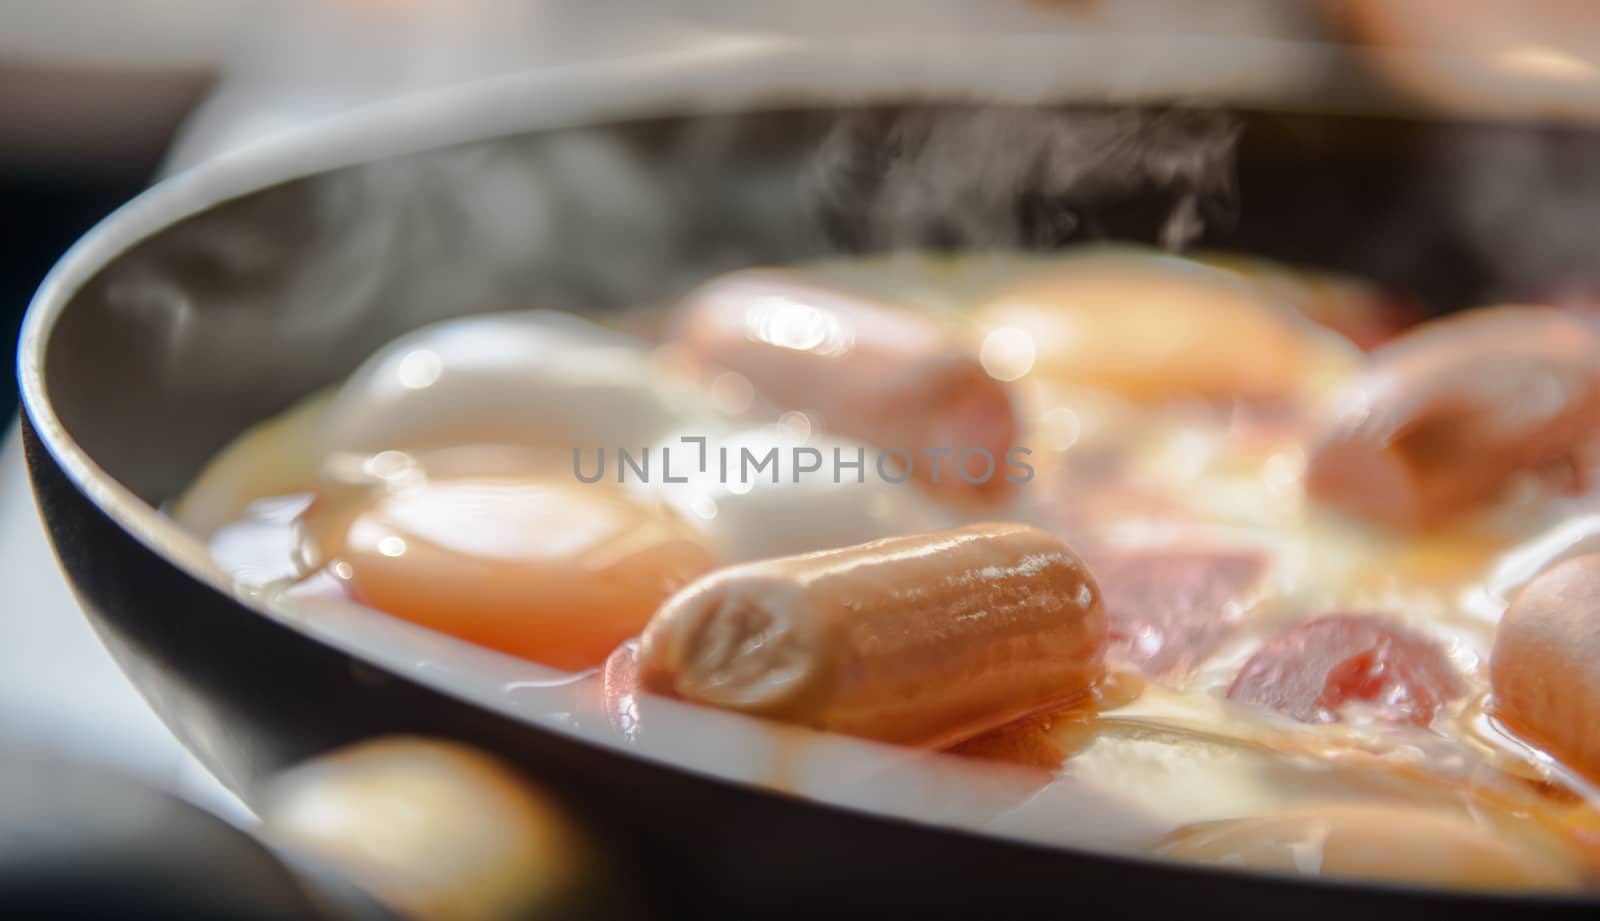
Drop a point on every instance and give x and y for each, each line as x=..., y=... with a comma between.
x=224, y=295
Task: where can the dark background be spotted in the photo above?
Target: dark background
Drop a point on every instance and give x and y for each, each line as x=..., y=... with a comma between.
x=77, y=140
x=42, y=211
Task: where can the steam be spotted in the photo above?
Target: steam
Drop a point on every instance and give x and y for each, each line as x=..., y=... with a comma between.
x=1528, y=207
x=1016, y=177
x=565, y=221
x=632, y=215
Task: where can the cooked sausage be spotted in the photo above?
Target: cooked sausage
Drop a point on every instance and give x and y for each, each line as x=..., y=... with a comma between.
x=923, y=640
x=1545, y=665
x=1442, y=418
x=891, y=378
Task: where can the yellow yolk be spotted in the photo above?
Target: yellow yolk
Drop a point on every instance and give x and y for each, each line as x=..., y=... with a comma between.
x=555, y=572
x=1151, y=329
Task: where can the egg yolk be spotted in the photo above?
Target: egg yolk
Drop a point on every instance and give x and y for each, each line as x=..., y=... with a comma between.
x=558, y=573
x=1133, y=328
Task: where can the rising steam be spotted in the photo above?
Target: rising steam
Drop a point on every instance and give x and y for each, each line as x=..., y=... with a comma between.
x=1015, y=177
x=632, y=215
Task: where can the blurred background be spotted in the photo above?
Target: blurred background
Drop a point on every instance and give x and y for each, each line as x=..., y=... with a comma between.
x=100, y=98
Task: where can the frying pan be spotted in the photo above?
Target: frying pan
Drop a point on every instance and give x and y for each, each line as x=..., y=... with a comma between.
x=227, y=293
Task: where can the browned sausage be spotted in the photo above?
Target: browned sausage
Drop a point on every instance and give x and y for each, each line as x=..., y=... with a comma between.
x=923, y=640
x=890, y=378
x=1545, y=665
x=1442, y=418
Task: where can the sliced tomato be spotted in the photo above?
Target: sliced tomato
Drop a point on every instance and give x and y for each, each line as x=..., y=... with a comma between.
x=1313, y=670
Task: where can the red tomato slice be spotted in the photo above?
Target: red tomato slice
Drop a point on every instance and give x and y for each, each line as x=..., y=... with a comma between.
x=1311, y=671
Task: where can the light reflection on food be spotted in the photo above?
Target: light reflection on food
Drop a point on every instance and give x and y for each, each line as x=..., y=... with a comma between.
x=735, y=505
x=1192, y=578
x=545, y=569
x=923, y=640
x=888, y=377
x=540, y=379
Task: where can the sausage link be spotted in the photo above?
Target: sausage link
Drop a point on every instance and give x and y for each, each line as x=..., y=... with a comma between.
x=1441, y=419
x=1545, y=664
x=890, y=378
x=922, y=640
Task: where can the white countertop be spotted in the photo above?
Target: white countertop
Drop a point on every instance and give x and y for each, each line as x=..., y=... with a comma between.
x=59, y=687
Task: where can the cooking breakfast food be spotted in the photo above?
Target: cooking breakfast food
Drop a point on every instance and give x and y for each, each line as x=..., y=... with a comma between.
x=1300, y=593
x=892, y=378
x=830, y=506
x=1388, y=843
x=1515, y=388
x=927, y=640
x=1145, y=328
x=1546, y=663
x=544, y=569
